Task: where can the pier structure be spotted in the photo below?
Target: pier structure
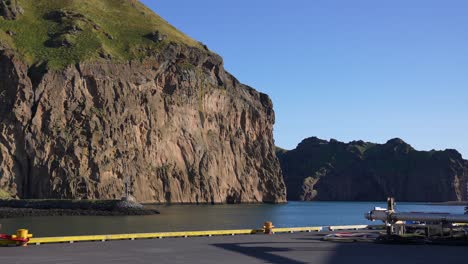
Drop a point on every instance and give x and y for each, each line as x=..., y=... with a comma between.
x=279, y=248
x=187, y=234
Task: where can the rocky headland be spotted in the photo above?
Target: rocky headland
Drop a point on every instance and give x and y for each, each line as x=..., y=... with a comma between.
x=362, y=171
x=97, y=93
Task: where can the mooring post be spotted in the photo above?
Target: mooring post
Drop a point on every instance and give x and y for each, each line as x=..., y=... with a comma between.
x=391, y=204
x=390, y=211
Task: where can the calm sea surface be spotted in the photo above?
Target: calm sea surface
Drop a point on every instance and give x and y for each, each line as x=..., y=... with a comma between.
x=212, y=217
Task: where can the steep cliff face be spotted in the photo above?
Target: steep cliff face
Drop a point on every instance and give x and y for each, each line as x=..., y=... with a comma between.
x=170, y=119
x=361, y=171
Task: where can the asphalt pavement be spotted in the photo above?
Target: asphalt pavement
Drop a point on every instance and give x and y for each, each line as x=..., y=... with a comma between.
x=299, y=248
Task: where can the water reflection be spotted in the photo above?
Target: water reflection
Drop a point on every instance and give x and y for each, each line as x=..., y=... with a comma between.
x=210, y=217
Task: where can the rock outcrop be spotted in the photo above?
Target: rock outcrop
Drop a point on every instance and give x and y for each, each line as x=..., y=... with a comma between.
x=10, y=9
x=173, y=123
x=361, y=171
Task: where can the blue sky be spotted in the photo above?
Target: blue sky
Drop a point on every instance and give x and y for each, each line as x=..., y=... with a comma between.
x=362, y=69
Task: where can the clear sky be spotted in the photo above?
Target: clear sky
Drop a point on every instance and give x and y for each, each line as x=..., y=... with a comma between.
x=361, y=69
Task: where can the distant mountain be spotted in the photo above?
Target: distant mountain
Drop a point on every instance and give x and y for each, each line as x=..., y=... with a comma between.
x=362, y=171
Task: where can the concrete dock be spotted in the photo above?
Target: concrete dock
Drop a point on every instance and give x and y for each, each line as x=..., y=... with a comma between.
x=297, y=248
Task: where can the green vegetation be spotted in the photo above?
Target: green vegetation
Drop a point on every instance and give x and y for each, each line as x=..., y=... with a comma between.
x=99, y=112
x=64, y=32
x=186, y=66
x=4, y=195
x=280, y=151
x=361, y=147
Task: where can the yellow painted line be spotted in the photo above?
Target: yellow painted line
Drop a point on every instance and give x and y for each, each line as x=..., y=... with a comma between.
x=297, y=229
x=72, y=239
x=349, y=227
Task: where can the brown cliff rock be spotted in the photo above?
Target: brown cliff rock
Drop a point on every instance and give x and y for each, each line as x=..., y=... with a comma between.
x=177, y=124
x=361, y=171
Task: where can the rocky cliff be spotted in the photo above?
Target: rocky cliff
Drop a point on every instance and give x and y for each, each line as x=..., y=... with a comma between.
x=108, y=92
x=362, y=171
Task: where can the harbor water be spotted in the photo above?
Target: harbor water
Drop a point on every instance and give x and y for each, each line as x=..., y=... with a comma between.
x=214, y=217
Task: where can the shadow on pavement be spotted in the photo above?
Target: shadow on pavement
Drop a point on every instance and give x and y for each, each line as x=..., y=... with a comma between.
x=320, y=252
x=358, y=253
x=260, y=252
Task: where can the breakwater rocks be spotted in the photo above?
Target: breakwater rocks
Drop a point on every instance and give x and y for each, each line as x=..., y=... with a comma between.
x=27, y=208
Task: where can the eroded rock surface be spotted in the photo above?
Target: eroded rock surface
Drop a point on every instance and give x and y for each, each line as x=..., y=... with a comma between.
x=177, y=124
x=361, y=171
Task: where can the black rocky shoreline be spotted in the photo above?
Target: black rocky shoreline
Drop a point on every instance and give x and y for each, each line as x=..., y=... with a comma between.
x=36, y=208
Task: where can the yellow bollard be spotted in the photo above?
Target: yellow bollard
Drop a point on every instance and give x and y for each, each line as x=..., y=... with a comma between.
x=22, y=234
x=21, y=238
x=268, y=228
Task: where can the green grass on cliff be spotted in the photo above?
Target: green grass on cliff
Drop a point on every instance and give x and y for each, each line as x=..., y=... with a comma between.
x=280, y=151
x=111, y=27
x=4, y=195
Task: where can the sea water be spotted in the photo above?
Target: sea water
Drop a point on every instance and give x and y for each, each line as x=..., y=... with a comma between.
x=214, y=217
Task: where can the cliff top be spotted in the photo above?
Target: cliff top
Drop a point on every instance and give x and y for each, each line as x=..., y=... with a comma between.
x=362, y=148
x=63, y=32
